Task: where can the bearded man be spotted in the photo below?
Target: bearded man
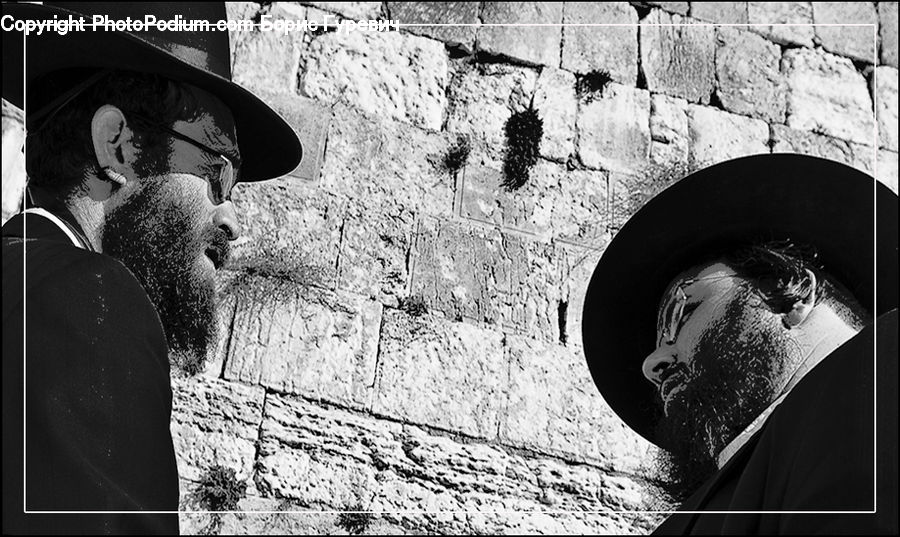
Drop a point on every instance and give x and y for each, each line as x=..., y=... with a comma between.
x=134, y=144
x=739, y=321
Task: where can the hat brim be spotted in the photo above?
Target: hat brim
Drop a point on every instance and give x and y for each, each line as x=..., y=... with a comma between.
x=269, y=146
x=765, y=197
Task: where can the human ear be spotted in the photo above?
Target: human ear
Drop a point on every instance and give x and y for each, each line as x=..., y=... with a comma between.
x=107, y=135
x=802, y=308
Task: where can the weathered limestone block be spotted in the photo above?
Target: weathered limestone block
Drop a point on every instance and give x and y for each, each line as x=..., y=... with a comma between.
x=316, y=344
x=483, y=97
x=613, y=49
x=557, y=105
x=385, y=164
x=787, y=140
x=579, y=267
x=885, y=92
x=13, y=160
x=629, y=192
x=614, y=130
x=749, y=79
x=431, y=484
x=444, y=374
x=554, y=407
x=226, y=305
x=854, y=41
x=486, y=276
x=290, y=232
x=374, y=248
x=386, y=74
x=554, y=203
x=268, y=61
x=717, y=136
x=720, y=12
x=531, y=44
x=439, y=13
x=352, y=10
x=887, y=32
x=887, y=169
x=215, y=423
x=670, y=138
x=678, y=60
x=797, y=18
x=827, y=95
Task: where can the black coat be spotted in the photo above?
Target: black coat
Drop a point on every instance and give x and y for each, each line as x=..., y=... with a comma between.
x=816, y=452
x=97, y=395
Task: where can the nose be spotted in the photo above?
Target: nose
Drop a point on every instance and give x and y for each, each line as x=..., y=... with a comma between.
x=226, y=219
x=657, y=362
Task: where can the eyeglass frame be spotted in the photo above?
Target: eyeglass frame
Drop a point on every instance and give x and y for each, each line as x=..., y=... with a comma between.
x=673, y=327
x=232, y=171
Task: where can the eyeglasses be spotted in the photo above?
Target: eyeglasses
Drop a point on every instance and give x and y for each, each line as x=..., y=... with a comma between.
x=672, y=316
x=220, y=188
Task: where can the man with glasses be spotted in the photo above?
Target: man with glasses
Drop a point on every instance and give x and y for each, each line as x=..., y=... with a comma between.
x=752, y=310
x=134, y=144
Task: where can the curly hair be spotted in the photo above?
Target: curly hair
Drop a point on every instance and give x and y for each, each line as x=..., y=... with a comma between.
x=778, y=271
x=60, y=153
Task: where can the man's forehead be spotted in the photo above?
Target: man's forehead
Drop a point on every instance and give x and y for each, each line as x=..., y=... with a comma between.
x=709, y=269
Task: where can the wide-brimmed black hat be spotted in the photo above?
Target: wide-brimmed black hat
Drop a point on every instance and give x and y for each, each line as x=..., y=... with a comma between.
x=269, y=146
x=807, y=200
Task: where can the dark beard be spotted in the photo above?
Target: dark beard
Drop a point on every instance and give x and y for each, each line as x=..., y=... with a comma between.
x=738, y=365
x=152, y=234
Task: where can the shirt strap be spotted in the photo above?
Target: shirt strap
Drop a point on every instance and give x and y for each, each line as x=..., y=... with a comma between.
x=60, y=223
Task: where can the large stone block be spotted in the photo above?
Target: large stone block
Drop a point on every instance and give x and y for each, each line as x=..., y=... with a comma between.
x=669, y=134
x=885, y=94
x=486, y=276
x=317, y=344
x=629, y=192
x=438, y=13
x=439, y=373
x=678, y=60
x=557, y=105
x=13, y=137
x=614, y=130
x=432, y=484
x=554, y=407
x=387, y=74
x=827, y=95
x=613, y=49
x=854, y=41
x=290, y=232
x=748, y=72
x=791, y=21
x=483, y=97
x=717, y=136
x=554, y=203
x=537, y=45
x=375, y=246
x=580, y=263
x=887, y=169
x=720, y=12
x=352, y=10
x=387, y=164
x=887, y=32
x=268, y=61
x=215, y=423
x=787, y=140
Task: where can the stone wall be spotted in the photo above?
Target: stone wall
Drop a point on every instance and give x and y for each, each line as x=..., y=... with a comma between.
x=402, y=335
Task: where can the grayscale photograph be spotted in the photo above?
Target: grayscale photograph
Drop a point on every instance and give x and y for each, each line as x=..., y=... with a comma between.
x=450, y=268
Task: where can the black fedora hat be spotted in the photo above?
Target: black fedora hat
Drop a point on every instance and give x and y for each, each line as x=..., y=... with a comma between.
x=807, y=200
x=269, y=146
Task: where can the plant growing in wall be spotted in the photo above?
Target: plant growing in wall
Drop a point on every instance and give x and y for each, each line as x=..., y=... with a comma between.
x=355, y=521
x=523, y=138
x=219, y=490
x=591, y=85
